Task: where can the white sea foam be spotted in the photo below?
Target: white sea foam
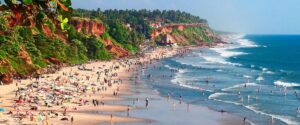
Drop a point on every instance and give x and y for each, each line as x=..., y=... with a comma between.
x=245, y=43
x=286, y=119
x=260, y=78
x=220, y=60
x=194, y=87
x=179, y=80
x=216, y=95
x=182, y=71
x=239, y=86
x=230, y=102
x=220, y=70
x=247, y=76
x=189, y=64
x=285, y=84
x=225, y=52
x=264, y=69
x=169, y=67
x=269, y=72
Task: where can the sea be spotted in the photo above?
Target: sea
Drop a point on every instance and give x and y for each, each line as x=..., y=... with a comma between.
x=252, y=76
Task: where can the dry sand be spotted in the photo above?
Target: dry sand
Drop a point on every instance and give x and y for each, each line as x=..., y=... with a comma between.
x=89, y=114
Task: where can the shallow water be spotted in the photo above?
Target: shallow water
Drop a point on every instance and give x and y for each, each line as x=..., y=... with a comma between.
x=253, y=76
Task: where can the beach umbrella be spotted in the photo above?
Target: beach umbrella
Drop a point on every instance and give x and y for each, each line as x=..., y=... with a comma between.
x=2, y=109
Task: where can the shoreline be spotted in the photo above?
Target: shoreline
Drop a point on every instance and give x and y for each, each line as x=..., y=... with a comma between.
x=87, y=114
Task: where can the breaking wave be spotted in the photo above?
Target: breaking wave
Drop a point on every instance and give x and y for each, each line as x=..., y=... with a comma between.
x=285, y=84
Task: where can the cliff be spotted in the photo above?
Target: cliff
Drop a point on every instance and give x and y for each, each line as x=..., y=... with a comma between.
x=97, y=28
x=87, y=26
x=183, y=34
x=118, y=51
x=170, y=27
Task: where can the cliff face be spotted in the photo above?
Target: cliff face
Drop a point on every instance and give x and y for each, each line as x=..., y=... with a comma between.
x=115, y=49
x=97, y=28
x=88, y=26
x=169, y=28
x=183, y=34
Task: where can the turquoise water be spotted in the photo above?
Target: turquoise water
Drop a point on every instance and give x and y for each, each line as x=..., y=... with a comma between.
x=254, y=76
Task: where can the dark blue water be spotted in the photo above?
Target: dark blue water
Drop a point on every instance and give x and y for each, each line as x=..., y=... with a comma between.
x=254, y=76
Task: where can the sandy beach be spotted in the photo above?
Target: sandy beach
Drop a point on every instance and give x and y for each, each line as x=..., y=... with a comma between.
x=100, y=93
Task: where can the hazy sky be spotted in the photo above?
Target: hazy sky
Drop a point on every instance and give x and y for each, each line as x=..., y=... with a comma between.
x=247, y=16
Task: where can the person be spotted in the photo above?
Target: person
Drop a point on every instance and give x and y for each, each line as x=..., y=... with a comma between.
x=169, y=96
x=272, y=120
x=180, y=99
x=128, y=109
x=147, y=102
x=244, y=120
x=47, y=119
x=1, y=83
x=72, y=120
x=111, y=118
x=133, y=103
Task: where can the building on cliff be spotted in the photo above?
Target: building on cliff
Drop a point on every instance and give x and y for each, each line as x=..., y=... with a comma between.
x=155, y=24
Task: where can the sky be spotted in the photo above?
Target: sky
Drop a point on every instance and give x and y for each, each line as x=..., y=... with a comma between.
x=244, y=16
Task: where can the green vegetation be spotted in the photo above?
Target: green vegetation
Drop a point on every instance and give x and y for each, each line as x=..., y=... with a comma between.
x=194, y=35
x=139, y=19
x=38, y=37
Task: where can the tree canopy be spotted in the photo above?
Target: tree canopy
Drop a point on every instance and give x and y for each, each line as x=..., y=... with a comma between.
x=38, y=12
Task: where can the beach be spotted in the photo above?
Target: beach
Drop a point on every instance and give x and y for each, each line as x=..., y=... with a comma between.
x=106, y=92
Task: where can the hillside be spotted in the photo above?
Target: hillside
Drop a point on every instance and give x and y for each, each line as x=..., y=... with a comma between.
x=30, y=50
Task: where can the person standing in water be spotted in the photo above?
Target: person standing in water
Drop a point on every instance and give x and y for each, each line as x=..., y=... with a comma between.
x=169, y=96
x=180, y=99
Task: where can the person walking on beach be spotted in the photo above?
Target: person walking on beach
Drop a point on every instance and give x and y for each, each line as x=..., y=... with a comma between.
x=128, y=109
x=111, y=119
x=72, y=120
x=147, y=102
x=244, y=120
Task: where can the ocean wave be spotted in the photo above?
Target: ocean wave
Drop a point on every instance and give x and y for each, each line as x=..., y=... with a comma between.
x=219, y=60
x=187, y=64
x=180, y=81
x=245, y=43
x=220, y=70
x=269, y=72
x=169, y=67
x=240, y=86
x=215, y=95
x=194, y=87
x=286, y=84
x=266, y=70
x=286, y=119
x=260, y=78
x=247, y=76
x=225, y=52
x=230, y=102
